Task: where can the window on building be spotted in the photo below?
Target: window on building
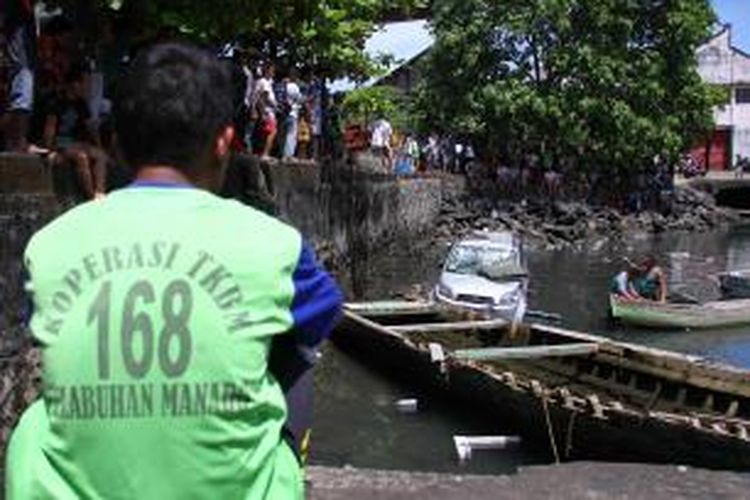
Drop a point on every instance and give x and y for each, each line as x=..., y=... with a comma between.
x=742, y=95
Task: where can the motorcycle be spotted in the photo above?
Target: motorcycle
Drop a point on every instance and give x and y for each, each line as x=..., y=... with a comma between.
x=689, y=167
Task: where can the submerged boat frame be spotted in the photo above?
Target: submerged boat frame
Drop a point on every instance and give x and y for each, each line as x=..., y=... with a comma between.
x=612, y=400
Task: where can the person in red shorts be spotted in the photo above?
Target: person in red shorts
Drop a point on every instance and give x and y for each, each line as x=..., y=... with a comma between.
x=266, y=105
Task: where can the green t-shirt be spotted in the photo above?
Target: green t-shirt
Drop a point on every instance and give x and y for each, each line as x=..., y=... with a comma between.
x=155, y=309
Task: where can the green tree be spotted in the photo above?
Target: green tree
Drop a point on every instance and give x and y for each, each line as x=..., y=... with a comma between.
x=365, y=104
x=326, y=36
x=591, y=83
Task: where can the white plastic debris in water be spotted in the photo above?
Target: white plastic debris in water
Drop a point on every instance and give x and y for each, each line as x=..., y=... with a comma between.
x=437, y=354
x=407, y=405
x=466, y=444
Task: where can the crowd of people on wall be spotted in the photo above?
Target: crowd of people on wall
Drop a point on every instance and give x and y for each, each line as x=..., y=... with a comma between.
x=281, y=114
x=58, y=81
x=55, y=98
x=405, y=153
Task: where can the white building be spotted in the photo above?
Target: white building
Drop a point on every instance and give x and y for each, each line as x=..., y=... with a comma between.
x=723, y=64
x=402, y=42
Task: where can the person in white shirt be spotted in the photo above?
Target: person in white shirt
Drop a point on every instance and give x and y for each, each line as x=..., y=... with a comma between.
x=380, y=141
x=294, y=100
x=264, y=102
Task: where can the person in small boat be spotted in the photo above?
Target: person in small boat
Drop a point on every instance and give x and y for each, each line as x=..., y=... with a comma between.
x=622, y=284
x=642, y=281
x=651, y=282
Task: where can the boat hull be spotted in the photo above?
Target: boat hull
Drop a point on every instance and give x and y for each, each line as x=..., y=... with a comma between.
x=523, y=404
x=718, y=314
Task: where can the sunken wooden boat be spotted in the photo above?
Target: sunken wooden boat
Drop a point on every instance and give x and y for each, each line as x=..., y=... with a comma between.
x=735, y=284
x=579, y=395
x=716, y=314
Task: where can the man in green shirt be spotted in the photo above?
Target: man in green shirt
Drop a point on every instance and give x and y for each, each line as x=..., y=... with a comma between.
x=156, y=309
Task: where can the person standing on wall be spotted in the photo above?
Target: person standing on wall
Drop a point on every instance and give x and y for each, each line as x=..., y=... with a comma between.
x=264, y=101
x=20, y=29
x=316, y=89
x=156, y=309
x=304, y=135
x=381, y=135
x=294, y=100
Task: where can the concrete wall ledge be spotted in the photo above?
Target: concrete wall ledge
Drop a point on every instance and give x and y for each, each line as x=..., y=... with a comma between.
x=574, y=480
x=24, y=174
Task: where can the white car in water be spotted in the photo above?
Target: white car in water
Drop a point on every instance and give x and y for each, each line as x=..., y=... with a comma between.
x=486, y=273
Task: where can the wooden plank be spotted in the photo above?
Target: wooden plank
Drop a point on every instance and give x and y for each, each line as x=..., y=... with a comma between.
x=457, y=326
x=355, y=322
x=391, y=308
x=542, y=351
x=543, y=315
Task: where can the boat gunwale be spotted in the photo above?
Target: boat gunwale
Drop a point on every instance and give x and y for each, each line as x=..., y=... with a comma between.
x=612, y=347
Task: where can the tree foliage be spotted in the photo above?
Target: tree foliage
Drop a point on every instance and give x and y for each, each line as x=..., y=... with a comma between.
x=323, y=35
x=365, y=104
x=607, y=83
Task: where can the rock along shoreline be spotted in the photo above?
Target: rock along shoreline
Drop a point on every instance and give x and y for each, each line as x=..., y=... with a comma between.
x=559, y=225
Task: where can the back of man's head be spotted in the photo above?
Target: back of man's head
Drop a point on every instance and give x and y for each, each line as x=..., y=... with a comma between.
x=173, y=103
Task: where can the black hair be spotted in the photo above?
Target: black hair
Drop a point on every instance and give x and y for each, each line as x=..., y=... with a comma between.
x=173, y=101
x=648, y=262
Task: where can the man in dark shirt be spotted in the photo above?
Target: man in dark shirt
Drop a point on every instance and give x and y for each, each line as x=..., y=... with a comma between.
x=69, y=129
x=20, y=33
x=66, y=114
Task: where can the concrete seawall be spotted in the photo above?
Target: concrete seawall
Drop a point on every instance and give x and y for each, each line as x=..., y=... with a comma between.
x=331, y=204
x=342, y=209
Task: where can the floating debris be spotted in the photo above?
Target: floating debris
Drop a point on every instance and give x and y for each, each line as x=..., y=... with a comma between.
x=465, y=445
x=410, y=405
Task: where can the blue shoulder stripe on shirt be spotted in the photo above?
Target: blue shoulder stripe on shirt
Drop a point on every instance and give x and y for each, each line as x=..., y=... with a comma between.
x=317, y=299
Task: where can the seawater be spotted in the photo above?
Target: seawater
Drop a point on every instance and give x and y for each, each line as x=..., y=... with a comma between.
x=357, y=421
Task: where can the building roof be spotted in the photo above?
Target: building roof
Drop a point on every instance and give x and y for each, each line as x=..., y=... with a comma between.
x=725, y=32
x=403, y=41
x=721, y=63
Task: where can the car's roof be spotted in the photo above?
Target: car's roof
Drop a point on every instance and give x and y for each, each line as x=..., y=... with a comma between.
x=490, y=240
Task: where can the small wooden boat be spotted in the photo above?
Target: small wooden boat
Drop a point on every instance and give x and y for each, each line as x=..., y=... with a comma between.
x=582, y=396
x=716, y=314
x=735, y=284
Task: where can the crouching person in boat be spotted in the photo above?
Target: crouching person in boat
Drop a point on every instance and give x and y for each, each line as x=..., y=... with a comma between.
x=622, y=284
x=156, y=310
x=643, y=281
x=651, y=281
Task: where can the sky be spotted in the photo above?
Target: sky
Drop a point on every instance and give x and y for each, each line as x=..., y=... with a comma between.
x=736, y=12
